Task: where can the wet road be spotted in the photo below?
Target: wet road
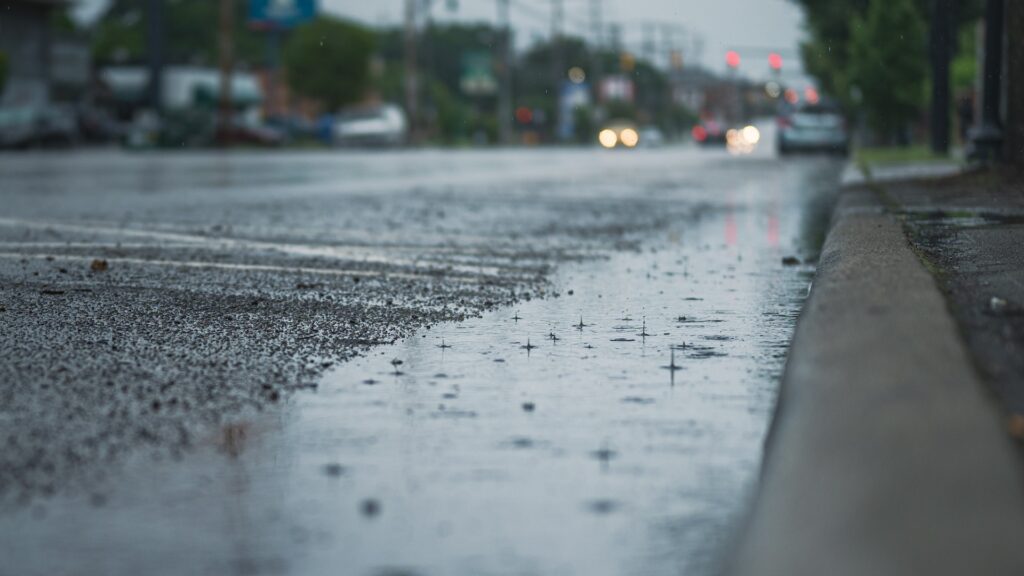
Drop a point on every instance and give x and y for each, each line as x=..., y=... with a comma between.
x=589, y=346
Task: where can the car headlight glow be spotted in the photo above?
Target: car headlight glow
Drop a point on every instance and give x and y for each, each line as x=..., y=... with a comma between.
x=608, y=138
x=629, y=137
x=751, y=135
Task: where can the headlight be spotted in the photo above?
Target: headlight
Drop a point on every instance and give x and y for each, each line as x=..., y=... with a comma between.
x=629, y=137
x=751, y=135
x=607, y=138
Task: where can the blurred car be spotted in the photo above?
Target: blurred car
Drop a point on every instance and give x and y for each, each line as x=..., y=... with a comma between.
x=31, y=126
x=383, y=125
x=619, y=133
x=294, y=127
x=651, y=137
x=709, y=132
x=243, y=131
x=812, y=127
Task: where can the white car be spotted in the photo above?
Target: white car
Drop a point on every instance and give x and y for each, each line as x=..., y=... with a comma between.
x=383, y=125
x=813, y=127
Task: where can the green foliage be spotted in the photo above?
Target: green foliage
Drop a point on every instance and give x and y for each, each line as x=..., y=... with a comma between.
x=618, y=110
x=584, y=125
x=888, y=64
x=893, y=156
x=62, y=22
x=826, y=55
x=328, y=59
x=190, y=26
x=964, y=67
x=3, y=71
x=452, y=116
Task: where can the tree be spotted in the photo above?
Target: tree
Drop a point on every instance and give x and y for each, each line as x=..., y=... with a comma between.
x=328, y=59
x=190, y=28
x=826, y=53
x=888, y=64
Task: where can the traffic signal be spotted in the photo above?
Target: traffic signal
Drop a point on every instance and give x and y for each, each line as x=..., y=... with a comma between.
x=732, y=59
x=775, y=61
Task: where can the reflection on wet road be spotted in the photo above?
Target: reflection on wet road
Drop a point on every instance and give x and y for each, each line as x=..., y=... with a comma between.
x=614, y=427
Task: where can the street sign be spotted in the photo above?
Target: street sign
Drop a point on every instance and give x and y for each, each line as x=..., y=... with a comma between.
x=478, y=74
x=573, y=95
x=281, y=14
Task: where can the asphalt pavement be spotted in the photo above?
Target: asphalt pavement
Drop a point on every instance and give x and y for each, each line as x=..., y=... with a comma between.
x=206, y=352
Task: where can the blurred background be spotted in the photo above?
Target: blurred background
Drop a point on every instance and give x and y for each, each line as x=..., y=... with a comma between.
x=321, y=73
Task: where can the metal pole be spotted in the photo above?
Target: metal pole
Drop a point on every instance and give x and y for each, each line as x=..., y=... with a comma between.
x=941, y=40
x=1014, y=134
x=597, y=50
x=556, y=64
x=227, y=65
x=154, y=52
x=505, y=88
x=411, y=80
x=987, y=139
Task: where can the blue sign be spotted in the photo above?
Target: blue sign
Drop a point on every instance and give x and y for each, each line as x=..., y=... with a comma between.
x=281, y=13
x=574, y=95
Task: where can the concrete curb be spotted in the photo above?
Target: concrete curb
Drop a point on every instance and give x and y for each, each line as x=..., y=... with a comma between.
x=886, y=455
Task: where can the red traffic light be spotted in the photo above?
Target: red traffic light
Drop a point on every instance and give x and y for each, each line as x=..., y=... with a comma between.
x=732, y=58
x=775, y=61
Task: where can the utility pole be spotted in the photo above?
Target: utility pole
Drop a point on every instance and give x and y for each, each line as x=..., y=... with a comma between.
x=941, y=51
x=226, y=42
x=615, y=37
x=647, y=42
x=557, y=64
x=597, y=51
x=154, y=52
x=505, y=71
x=411, y=79
x=987, y=138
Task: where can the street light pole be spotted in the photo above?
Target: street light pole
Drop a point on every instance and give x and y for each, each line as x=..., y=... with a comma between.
x=987, y=139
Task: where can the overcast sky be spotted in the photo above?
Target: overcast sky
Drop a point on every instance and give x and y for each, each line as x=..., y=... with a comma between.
x=750, y=26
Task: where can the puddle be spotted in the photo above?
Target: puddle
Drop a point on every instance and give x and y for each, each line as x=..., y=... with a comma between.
x=563, y=436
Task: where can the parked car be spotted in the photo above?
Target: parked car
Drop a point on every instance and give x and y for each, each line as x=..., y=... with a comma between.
x=31, y=126
x=383, y=125
x=651, y=137
x=812, y=127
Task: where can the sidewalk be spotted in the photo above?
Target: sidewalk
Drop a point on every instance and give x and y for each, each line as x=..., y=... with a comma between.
x=889, y=454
